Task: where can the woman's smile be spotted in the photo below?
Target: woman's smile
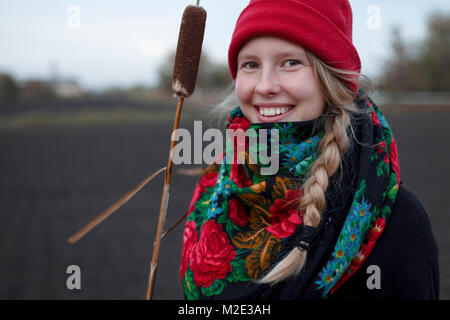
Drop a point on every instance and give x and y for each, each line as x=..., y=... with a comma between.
x=273, y=112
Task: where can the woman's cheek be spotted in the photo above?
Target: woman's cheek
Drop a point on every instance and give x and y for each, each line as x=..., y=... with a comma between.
x=243, y=89
x=244, y=95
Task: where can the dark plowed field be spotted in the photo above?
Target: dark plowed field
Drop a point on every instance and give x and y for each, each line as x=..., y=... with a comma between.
x=55, y=179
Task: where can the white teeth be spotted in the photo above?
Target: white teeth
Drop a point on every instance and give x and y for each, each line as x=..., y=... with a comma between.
x=273, y=111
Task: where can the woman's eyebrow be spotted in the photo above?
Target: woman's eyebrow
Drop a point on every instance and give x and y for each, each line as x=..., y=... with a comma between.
x=247, y=56
x=283, y=54
x=290, y=53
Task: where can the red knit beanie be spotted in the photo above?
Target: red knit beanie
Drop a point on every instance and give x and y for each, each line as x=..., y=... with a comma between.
x=324, y=27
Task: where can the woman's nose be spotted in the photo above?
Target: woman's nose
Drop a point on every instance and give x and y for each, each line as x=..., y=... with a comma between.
x=267, y=84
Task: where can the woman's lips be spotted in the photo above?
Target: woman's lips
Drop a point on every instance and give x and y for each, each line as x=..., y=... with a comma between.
x=273, y=107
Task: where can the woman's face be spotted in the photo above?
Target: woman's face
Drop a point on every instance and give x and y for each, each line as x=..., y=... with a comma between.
x=275, y=82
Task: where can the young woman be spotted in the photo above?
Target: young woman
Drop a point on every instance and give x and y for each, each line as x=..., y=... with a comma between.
x=334, y=221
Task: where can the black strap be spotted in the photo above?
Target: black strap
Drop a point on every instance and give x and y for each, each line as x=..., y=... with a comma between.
x=306, y=238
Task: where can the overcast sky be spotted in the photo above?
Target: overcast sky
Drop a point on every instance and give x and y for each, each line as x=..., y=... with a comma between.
x=122, y=43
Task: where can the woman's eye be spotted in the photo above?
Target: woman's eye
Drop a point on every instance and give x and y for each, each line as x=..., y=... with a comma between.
x=250, y=65
x=291, y=63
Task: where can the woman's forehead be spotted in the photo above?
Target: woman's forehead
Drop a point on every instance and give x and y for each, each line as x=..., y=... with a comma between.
x=270, y=45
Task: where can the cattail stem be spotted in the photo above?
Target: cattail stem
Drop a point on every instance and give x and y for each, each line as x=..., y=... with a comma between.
x=163, y=207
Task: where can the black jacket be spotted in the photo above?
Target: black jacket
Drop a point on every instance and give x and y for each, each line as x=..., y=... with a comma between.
x=407, y=257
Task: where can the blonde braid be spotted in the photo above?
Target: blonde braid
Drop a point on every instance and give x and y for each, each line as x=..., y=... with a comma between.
x=340, y=103
x=333, y=145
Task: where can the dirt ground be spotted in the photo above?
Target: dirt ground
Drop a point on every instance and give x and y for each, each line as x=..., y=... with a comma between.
x=55, y=179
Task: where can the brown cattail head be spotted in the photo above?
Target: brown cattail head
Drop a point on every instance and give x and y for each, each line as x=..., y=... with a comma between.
x=189, y=49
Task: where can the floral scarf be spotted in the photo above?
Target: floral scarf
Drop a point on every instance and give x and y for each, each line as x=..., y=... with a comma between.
x=241, y=223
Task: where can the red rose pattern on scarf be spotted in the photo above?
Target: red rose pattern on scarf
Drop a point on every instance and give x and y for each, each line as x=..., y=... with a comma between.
x=285, y=215
x=210, y=257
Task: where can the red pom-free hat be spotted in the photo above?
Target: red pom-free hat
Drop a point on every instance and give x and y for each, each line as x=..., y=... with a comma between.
x=322, y=27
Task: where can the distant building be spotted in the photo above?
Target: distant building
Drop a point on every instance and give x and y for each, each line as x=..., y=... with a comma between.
x=41, y=89
x=67, y=89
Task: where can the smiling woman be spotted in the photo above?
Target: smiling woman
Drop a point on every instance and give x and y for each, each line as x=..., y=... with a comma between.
x=335, y=208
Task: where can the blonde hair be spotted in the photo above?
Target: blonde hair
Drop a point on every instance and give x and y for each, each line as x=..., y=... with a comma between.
x=339, y=104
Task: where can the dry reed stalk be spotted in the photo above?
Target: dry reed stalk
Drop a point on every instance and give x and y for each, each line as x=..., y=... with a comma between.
x=105, y=214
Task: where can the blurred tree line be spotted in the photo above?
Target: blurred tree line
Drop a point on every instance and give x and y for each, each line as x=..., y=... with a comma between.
x=9, y=89
x=30, y=90
x=423, y=66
